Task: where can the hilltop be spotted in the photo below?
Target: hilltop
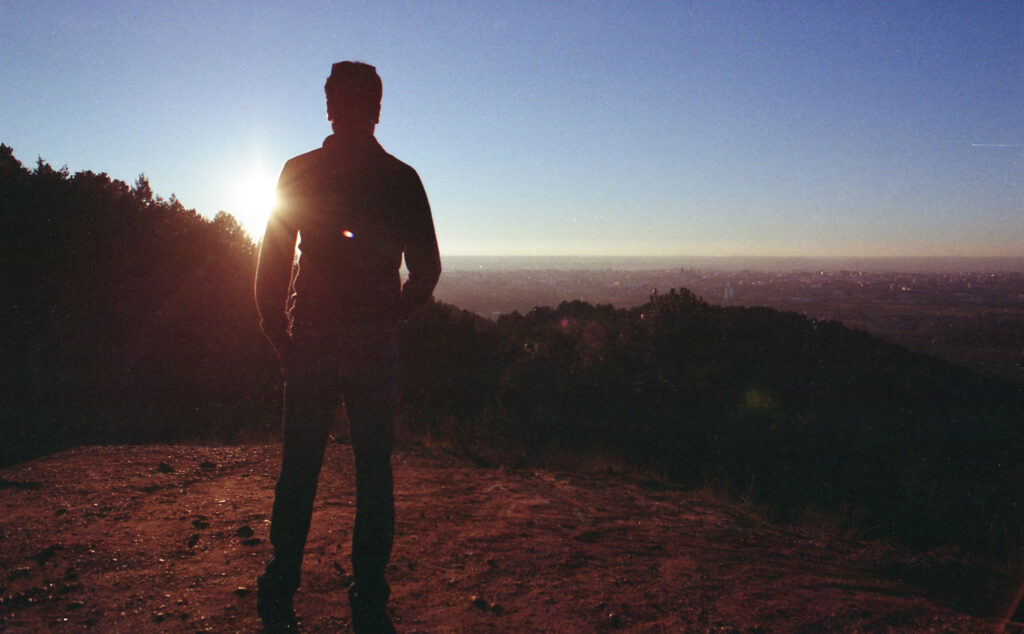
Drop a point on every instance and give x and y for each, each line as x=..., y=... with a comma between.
x=170, y=538
x=131, y=322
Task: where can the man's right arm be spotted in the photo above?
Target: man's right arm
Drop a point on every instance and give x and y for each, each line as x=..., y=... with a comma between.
x=274, y=269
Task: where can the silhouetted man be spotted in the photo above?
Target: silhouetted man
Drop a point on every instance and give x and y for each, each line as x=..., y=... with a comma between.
x=355, y=210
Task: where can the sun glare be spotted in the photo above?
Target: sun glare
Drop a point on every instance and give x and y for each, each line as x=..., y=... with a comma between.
x=253, y=198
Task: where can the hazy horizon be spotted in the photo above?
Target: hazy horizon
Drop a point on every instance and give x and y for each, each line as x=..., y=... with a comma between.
x=877, y=264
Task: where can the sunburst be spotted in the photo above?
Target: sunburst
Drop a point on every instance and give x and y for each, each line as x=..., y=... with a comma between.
x=253, y=197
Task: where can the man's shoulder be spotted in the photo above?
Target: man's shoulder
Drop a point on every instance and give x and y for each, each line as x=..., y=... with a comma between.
x=398, y=166
x=306, y=160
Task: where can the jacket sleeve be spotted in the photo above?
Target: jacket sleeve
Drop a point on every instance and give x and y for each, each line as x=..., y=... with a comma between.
x=274, y=269
x=422, y=258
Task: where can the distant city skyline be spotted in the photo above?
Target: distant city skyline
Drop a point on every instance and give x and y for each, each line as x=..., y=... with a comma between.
x=562, y=129
x=765, y=263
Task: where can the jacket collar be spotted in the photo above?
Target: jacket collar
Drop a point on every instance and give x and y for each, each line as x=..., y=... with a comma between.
x=350, y=145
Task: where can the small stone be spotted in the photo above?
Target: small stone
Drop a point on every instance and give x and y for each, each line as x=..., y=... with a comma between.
x=75, y=605
x=244, y=532
x=46, y=554
x=18, y=573
x=241, y=591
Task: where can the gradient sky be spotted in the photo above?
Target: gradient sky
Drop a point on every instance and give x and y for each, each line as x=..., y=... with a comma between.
x=563, y=128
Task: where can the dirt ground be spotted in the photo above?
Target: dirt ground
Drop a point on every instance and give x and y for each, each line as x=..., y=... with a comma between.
x=171, y=538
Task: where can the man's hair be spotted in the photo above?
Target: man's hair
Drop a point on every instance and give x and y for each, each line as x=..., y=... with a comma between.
x=353, y=92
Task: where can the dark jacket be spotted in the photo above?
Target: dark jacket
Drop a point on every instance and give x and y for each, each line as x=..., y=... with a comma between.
x=355, y=210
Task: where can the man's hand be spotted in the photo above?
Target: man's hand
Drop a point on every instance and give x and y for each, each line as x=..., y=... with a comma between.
x=279, y=340
x=282, y=349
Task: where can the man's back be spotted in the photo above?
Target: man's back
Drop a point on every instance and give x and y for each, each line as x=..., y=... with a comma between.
x=357, y=210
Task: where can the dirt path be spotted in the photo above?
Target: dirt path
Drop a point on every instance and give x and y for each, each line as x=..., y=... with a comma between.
x=132, y=539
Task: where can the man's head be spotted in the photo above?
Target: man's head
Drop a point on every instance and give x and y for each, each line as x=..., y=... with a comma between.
x=353, y=97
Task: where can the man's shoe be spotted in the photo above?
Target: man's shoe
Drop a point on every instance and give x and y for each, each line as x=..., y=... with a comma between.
x=275, y=608
x=368, y=616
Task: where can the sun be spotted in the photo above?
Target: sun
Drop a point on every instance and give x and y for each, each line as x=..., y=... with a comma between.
x=252, y=199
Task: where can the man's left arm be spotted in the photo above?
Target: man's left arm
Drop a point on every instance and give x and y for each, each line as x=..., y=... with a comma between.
x=274, y=267
x=422, y=258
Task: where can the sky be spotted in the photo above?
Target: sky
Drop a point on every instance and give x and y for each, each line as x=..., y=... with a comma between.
x=561, y=128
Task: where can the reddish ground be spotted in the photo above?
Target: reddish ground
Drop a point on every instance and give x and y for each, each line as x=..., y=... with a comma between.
x=133, y=539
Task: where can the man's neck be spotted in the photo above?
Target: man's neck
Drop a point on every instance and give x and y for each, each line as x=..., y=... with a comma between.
x=351, y=143
x=353, y=134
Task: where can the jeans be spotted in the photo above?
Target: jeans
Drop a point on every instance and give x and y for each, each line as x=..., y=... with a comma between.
x=325, y=363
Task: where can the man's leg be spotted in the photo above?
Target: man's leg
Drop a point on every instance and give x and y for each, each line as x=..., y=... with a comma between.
x=370, y=394
x=311, y=395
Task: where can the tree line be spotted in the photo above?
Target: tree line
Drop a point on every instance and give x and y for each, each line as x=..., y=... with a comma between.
x=128, y=318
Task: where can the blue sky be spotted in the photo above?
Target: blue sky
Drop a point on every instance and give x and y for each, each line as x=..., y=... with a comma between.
x=562, y=128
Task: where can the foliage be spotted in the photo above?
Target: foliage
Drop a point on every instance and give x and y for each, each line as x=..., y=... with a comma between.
x=786, y=411
x=129, y=318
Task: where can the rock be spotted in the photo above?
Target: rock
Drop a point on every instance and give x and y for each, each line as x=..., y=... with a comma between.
x=206, y=465
x=241, y=591
x=163, y=467
x=477, y=602
x=75, y=605
x=46, y=554
x=252, y=541
x=346, y=579
x=200, y=523
x=18, y=573
x=193, y=539
x=244, y=531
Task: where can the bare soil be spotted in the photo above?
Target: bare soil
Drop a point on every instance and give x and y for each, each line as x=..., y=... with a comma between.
x=171, y=538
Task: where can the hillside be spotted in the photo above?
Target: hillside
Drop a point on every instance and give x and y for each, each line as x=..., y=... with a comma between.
x=132, y=323
x=170, y=538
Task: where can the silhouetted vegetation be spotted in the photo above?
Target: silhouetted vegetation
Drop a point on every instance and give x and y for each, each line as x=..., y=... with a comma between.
x=786, y=411
x=130, y=319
